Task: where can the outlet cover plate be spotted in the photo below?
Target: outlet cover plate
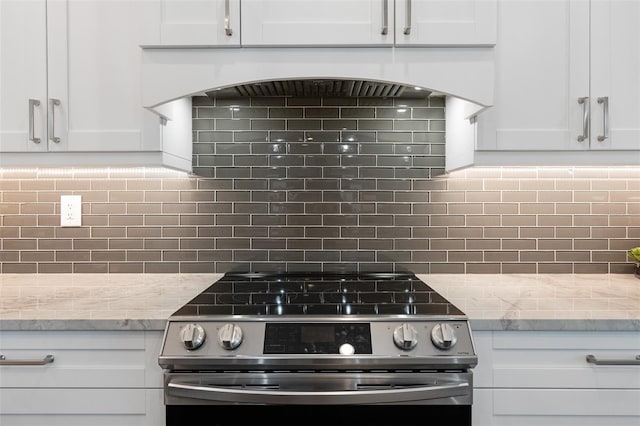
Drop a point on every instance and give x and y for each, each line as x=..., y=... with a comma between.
x=70, y=210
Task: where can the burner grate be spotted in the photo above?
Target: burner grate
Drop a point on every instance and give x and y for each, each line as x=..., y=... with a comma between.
x=318, y=294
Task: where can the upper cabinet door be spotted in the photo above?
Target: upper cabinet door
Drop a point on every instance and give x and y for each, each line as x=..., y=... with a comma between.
x=317, y=22
x=446, y=22
x=23, y=76
x=571, y=84
x=542, y=70
x=615, y=74
x=196, y=23
x=94, y=73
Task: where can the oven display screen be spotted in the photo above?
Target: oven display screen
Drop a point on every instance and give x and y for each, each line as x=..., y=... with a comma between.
x=300, y=338
x=322, y=334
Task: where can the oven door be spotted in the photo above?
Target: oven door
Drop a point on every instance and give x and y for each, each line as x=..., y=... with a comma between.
x=318, y=395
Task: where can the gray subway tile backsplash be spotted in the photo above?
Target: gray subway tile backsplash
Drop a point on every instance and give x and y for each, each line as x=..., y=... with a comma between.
x=335, y=184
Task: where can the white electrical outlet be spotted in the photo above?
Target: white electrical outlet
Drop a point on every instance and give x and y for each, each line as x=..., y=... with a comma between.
x=70, y=210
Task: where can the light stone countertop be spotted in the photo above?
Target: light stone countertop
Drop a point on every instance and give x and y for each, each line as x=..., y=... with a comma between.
x=95, y=301
x=492, y=302
x=543, y=301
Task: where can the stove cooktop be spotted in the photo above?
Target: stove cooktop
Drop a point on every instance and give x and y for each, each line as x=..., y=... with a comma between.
x=319, y=294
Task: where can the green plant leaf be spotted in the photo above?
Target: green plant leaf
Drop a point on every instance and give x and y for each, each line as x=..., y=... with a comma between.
x=634, y=253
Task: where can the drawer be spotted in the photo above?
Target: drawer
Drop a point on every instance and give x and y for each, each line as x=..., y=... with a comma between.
x=556, y=407
x=612, y=403
x=82, y=359
x=81, y=407
x=558, y=360
x=72, y=401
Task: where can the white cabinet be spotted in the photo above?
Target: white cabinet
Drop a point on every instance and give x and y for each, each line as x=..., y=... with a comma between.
x=445, y=22
x=541, y=71
x=369, y=22
x=253, y=23
x=81, y=62
x=94, y=71
x=333, y=22
x=549, y=78
x=96, y=378
x=543, y=378
x=192, y=23
x=615, y=74
x=23, y=76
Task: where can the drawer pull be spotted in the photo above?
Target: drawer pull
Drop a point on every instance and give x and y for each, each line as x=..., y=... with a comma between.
x=227, y=20
x=591, y=359
x=33, y=103
x=385, y=17
x=605, y=118
x=407, y=19
x=585, y=119
x=46, y=360
x=53, y=104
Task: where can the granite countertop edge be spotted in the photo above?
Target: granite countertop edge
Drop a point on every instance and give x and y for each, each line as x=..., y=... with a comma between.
x=82, y=324
x=475, y=324
x=554, y=325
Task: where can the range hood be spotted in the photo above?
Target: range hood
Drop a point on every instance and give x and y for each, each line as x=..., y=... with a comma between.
x=464, y=76
x=320, y=88
x=170, y=74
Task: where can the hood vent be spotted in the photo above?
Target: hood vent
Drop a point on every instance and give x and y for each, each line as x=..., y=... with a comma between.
x=319, y=88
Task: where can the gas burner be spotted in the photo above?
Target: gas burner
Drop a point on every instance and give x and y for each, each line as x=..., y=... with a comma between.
x=319, y=294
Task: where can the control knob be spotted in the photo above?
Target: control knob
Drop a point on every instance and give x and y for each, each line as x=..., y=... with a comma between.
x=405, y=337
x=192, y=336
x=443, y=336
x=230, y=336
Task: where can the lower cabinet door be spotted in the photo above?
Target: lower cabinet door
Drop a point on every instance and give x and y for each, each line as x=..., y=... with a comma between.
x=612, y=403
x=556, y=407
x=81, y=407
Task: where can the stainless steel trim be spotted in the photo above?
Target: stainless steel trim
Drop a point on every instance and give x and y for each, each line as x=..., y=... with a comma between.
x=52, y=123
x=48, y=359
x=605, y=118
x=591, y=359
x=584, y=101
x=33, y=103
x=317, y=318
x=407, y=19
x=385, y=17
x=336, y=363
x=313, y=388
x=227, y=24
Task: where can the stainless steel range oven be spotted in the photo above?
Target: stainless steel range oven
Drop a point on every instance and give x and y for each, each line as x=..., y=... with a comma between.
x=318, y=349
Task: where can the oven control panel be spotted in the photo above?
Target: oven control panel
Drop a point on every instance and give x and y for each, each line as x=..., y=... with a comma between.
x=279, y=339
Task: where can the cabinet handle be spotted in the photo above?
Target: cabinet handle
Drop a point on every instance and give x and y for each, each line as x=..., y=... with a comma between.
x=605, y=118
x=385, y=17
x=591, y=359
x=585, y=118
x=46, y=360
x=407, y=19
x=52, y=105
x=227, y=24
x=33, y=103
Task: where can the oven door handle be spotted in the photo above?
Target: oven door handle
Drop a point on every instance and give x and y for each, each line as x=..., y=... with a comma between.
x=236, y=395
